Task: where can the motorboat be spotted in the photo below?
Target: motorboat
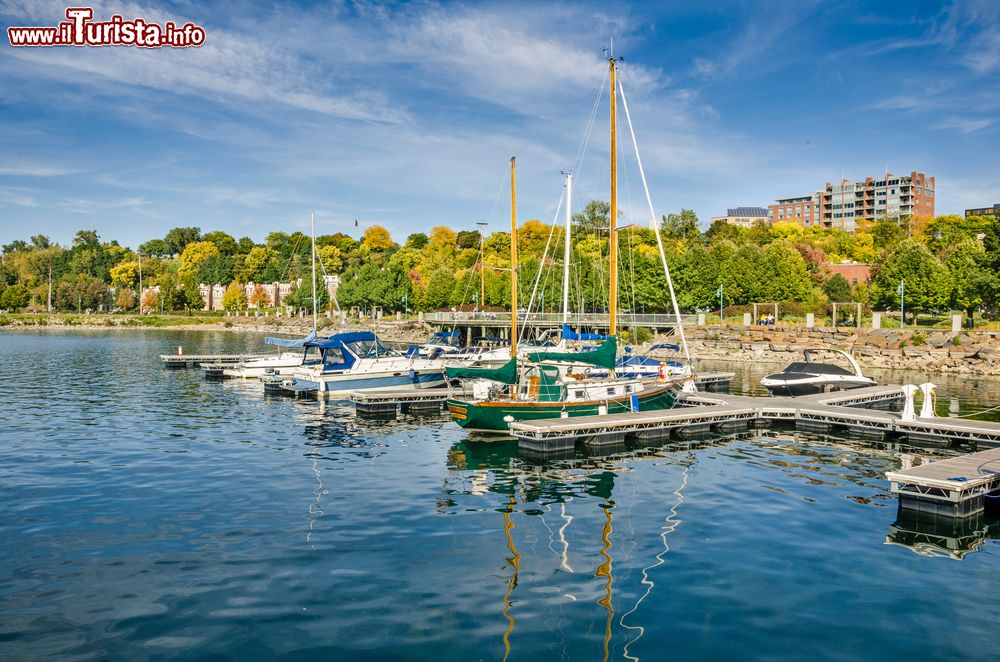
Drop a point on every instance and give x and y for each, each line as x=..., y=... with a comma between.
x=809, y=377
x=358, y=361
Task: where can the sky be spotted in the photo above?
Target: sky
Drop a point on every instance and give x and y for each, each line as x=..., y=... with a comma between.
x=406, y=114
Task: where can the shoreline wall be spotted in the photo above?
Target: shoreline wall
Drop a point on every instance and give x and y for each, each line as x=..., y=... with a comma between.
x=967, y=352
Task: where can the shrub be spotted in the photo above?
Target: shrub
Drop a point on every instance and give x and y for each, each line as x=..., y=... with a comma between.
x=918, y=339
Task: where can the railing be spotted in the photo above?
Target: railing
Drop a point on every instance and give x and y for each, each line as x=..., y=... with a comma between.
x=555, y=319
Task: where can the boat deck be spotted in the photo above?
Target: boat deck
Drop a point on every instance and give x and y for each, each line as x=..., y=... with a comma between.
x=956, y=486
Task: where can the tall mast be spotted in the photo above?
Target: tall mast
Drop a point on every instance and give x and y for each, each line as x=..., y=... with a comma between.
x=613, y=297
x=513, y=262
x=569, y=225
x=312, y=228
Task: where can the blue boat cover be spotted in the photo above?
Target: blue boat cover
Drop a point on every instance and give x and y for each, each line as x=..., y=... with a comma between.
x=666, y=345
x=289, y=342
x=446, y=334
x=570, y=334
x=339, y=340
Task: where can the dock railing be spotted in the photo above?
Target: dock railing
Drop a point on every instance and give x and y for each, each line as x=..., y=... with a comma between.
x=555, y=319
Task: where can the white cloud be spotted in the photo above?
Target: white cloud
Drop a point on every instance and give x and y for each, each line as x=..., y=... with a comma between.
x=963, y=124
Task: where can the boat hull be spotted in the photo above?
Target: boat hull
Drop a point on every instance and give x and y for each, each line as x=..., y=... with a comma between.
x=493, y=415
x=796, y=388
x=389, y=381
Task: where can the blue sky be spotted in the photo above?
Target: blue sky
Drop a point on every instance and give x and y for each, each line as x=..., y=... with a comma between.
x=405, y=114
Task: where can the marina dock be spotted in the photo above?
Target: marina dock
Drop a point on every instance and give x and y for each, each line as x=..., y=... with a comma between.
x=384, y=404
x=855, y=412
x=955, y=487
x=179, y=361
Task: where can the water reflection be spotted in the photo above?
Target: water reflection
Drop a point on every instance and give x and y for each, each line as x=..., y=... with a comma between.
x=928, y=534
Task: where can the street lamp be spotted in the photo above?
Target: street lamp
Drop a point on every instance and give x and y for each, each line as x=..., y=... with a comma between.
x=719, y=293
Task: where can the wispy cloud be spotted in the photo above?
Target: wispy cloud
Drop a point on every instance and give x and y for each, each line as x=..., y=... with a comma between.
x=963, y=124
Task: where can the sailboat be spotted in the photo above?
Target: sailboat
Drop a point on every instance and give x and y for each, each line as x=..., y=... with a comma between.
x=501, y=395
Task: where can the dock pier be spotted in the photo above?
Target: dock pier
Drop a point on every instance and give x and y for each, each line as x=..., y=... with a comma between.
x=956, y=487
x=180, y=361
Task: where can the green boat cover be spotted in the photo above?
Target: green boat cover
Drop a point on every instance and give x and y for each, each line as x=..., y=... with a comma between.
x=505, y=374
x=604, y=356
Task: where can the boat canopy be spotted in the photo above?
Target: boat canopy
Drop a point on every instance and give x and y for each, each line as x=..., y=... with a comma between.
x=665, y=345
x=291, y=342
x=505, y=374
x=570, y=334
x=603, y=356
x=339, y=340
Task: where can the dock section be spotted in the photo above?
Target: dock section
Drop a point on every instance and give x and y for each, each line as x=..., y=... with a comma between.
x=179, y=361
x=955, y=487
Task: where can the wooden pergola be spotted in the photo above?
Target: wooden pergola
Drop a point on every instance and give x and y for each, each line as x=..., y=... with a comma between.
x=848, y=304
x=770, y=304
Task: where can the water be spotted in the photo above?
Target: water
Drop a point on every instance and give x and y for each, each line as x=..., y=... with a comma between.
x=148, y=513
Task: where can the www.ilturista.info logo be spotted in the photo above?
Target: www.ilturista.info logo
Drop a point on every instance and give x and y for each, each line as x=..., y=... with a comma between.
x=80, y=30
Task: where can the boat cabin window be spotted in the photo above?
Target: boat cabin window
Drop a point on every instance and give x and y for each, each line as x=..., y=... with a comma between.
x=312, y=355
x=581, y=394
x=611, y=390
x=333, y=358
x=370, y=349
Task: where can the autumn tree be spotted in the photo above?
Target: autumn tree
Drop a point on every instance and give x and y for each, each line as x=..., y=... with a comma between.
x=259, y=298
x=377, y=239
x=234, y=297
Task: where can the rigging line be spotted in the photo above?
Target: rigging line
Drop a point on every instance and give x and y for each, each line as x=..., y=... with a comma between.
x=588, y=131
x=631, y=215
x=656, y=229
x=538, y=276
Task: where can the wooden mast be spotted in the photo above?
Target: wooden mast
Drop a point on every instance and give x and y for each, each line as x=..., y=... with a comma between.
x=613, y=297
x=513, y=262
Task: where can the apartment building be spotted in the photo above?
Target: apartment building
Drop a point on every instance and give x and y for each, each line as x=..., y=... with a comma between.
x=842, y=205
x=993, y=211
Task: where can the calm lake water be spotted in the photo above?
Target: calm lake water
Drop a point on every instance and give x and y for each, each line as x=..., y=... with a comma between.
x=147, y=513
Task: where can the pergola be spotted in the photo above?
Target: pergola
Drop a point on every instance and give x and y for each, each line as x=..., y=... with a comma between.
x=851, y=305
x=765, y=305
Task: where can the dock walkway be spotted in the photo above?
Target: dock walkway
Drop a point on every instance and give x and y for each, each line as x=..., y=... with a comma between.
x=701, y=412
x=956, y=487
x=178, y=361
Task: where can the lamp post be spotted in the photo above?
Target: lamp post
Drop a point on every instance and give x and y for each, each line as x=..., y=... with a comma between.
x=719, y=293
x=901, y=291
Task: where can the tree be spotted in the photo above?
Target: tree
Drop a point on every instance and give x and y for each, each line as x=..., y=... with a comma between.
x=259, y=297
x=927, y=284
x=837, y=289
x=968, y=280
x=377, y=239
x=466, y=239
x=439, y=288
x=155, y=248
x=224, y=242
x=125, y=274
x=177, y=239
x=681, y=226
x=125, y=299
x=417, y=240
x=150, y=300
x=234, y=298
x=595, y=216
x=194, y=256
x=15, y=297
x=723, y=231
x=886, y=234
x=331, y=258
x=258, y=263
x=40, y=241
x=442, y=237
x=302, y=295
x=82, y=293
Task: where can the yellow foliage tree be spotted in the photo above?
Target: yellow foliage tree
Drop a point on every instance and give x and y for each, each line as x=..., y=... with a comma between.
x=125, y=299
x=150, y=300
x=195, y=254
x=332, y=258
x=443, y=237
x=376, y=238
x=125, y=274
x=234, y=297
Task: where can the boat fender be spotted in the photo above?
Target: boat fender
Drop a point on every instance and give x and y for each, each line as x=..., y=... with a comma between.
x=413, y=375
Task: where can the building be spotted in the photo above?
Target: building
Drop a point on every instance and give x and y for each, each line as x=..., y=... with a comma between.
x=854, y=272
x=743, y=217
x=803, y=209
x=993, y=211
x=841, y=206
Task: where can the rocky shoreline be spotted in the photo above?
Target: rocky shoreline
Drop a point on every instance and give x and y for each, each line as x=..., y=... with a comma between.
x=967, y=352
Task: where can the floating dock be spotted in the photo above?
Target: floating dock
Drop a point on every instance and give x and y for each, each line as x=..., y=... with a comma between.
x=178, y=361
x=955, y=487
x=384, y=404
x=855, y=412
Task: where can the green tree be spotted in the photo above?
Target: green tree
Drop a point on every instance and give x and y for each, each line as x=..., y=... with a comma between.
x=928, y=286
x=177, y=239
x=244, y=245
x=417, y=240
x=887, y=234
x=681, y=226
x=224, y=242
x=301, y=295
x=439, y=289
x=155, y=248
x=595, y=215
x=968, y=280
x=193, y=258
x=15, y=297
x=466, y=239
x=837, y=289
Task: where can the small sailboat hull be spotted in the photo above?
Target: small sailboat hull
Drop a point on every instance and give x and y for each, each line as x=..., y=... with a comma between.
x=495, y=415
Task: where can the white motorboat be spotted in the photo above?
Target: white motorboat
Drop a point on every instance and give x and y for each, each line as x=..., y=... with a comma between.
x=809, y=377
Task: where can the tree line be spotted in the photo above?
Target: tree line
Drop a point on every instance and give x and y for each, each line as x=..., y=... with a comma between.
x=947, y=262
